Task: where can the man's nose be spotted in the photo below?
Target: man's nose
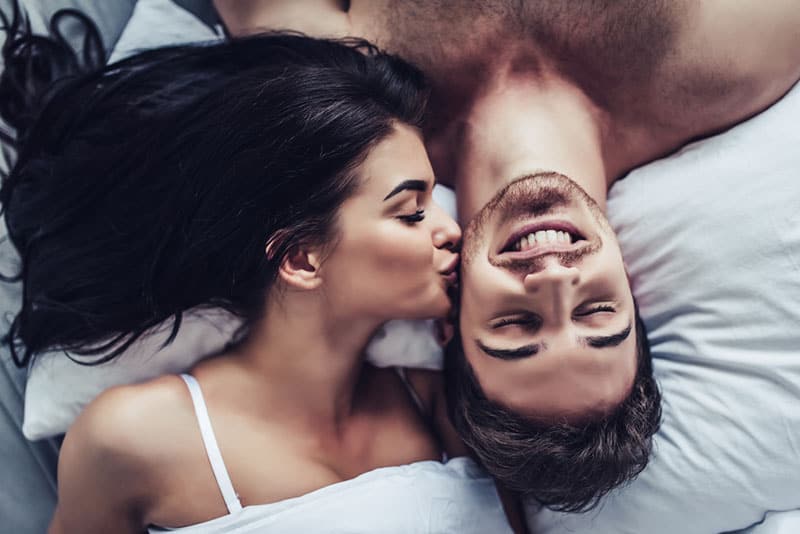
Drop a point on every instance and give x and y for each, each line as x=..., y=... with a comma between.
x=552, y=286
x=550, y=275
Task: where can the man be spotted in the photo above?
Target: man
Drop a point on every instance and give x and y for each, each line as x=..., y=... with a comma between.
x=537, y=108
x=588, y=89
x=551, y=378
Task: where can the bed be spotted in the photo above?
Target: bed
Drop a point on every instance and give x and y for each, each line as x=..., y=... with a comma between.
x=711, y=238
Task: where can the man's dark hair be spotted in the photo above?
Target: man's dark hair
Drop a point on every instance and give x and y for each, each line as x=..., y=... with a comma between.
x=565, y=466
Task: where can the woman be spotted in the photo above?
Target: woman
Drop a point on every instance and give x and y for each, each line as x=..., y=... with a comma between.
x=284, y=179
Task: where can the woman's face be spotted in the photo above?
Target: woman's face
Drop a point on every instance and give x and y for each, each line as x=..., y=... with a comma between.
x=395, y=251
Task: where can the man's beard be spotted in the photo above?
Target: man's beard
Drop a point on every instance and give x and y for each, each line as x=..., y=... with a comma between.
x=533, y=195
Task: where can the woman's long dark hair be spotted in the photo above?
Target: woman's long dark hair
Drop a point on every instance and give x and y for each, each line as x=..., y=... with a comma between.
x=151, y=186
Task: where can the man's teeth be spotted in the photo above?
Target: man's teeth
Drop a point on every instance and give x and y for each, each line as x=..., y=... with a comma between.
x=542, y=237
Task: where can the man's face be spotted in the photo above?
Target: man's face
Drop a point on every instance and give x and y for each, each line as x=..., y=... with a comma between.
x=547, y=314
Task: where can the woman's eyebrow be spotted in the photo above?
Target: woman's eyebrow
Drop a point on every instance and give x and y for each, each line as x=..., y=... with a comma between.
x=413, y=185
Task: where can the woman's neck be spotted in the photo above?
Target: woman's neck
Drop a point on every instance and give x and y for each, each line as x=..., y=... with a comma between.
x=308, y=359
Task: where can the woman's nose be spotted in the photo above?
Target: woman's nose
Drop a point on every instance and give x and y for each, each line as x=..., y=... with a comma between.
x=446, y=232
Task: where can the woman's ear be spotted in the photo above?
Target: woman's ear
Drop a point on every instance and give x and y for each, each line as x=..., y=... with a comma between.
x=300, y=268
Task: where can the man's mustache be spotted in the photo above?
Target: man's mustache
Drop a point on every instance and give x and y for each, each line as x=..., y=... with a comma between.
x=568, y=258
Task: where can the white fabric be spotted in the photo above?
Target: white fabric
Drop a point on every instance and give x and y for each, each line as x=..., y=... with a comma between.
x=711, y=237
x=212, y=448
x=776, y=523
x=157, y=23
x=58, y=389
x=424, y=497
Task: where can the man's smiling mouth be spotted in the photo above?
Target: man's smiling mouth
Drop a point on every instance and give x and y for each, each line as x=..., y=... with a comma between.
x=543, y=237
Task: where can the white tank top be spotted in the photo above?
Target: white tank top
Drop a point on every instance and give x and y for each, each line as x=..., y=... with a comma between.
x=423, y=497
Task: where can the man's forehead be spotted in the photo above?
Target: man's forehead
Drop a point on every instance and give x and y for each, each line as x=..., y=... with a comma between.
x=560, y=390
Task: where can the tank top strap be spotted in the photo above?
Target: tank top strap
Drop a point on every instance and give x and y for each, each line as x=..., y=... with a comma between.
x=423, y=411
x=421, y=408
x=212, y=449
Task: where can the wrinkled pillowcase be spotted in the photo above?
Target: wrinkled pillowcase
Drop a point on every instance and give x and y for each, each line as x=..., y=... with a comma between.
x=711, y=239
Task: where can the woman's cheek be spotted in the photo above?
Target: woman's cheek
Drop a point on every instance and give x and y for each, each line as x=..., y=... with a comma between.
x=419, y=255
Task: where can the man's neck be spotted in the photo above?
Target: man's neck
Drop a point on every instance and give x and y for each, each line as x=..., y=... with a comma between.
x=522, y=125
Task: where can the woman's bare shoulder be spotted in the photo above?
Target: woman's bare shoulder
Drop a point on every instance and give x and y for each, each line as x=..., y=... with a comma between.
x=113, y=454
x=124, y=418
x=132, y=428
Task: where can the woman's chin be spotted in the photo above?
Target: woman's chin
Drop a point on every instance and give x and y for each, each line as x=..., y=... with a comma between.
x=439, y=307
x=433, y=303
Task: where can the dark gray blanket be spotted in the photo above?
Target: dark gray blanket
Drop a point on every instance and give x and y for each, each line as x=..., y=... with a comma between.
x=28, y=469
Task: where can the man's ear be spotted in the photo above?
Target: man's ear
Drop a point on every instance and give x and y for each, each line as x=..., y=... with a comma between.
x=300, y=268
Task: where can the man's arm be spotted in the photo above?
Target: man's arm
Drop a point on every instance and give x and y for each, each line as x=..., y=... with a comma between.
x=317, y=18
x=759, y=39
x=750, y=43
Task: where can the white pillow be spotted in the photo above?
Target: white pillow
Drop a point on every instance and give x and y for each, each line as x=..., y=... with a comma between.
x=58, y=388
x=711, y=237
x=787, y=522
x=157, y=23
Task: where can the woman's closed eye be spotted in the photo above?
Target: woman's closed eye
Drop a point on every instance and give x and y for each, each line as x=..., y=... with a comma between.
x=412, y=218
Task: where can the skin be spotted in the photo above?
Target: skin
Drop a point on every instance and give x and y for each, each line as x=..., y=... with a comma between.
x=623, y=83
x=586, y=89
x=294, y=408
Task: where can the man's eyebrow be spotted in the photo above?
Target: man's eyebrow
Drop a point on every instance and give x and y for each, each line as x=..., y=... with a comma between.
x=413, y=185
x=601, y=342
x=524, y=351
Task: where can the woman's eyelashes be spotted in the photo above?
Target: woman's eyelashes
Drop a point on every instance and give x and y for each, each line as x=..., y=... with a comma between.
x=412, y=218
